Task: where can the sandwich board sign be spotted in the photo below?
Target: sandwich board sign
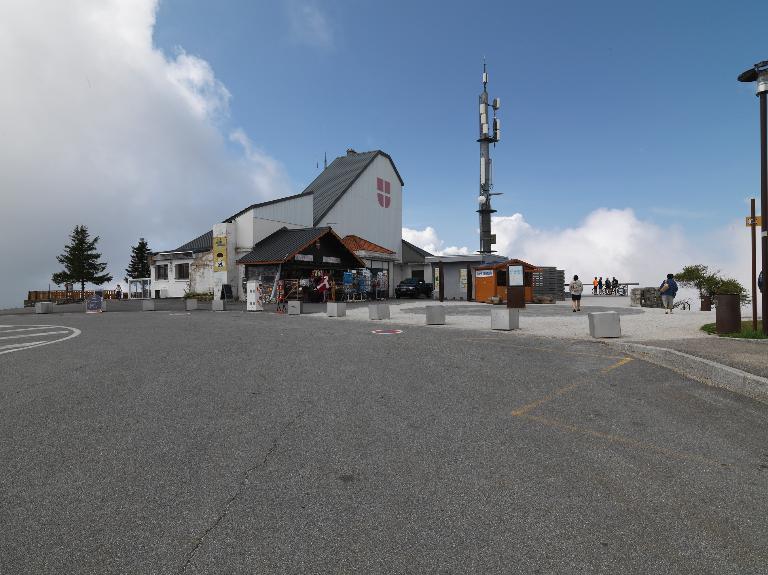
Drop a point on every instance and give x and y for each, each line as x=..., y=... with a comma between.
x=94, y=303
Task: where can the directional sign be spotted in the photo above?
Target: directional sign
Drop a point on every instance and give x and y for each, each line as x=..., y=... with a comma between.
x=758, y=221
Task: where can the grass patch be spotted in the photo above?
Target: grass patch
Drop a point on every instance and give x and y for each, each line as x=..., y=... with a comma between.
x=746, y=331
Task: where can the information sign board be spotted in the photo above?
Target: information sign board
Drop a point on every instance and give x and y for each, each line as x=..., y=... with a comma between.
x=516, y=276
x=93, y=303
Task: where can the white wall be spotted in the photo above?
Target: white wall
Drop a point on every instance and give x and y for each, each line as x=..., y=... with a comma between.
x=175, y=287
x=358, y=211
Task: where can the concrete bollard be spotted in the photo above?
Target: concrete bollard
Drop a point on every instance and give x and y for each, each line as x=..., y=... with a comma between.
x=435, y=315
x=505, y=319
x=336, y=309
x=190, y=304
x=604, y=324
x=44, y=307
x=377, y=311
x=147, y=305
x=218, y=305
x=294, y=307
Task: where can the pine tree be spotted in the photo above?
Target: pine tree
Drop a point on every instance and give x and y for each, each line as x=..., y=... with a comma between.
x=139, y=266
x=81, y=261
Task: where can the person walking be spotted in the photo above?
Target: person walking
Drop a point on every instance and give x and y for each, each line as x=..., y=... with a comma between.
x=668, y=289
x=576, y=288
x=594, y=286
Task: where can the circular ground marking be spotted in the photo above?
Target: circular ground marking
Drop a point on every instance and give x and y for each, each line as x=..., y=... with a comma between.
x=387, y=331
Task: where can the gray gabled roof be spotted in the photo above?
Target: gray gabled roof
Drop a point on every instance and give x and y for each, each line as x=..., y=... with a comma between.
x=262, y=204
x=202, y=243
x=414, y=254
x=282, y=245
x=338, y=177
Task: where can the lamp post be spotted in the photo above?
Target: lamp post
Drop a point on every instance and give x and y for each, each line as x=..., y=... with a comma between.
x=759, y=73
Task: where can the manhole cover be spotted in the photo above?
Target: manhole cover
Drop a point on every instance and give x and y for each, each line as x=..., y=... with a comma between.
x=387, y=331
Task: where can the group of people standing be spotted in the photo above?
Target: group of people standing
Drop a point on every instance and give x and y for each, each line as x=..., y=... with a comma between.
x=668, y=289
x=607, y=287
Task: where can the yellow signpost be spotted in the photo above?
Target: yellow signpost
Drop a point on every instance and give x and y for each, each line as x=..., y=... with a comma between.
x=757, y=221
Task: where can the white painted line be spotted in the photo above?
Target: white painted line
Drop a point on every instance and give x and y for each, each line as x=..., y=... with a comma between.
x=25, y=344
x=23, y=328
x=74, y=333
x=33, y=334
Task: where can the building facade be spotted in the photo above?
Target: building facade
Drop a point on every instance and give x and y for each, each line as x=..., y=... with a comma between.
x=358, y=195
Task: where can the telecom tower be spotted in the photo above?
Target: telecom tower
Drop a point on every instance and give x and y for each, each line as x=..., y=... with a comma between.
x=487, y=239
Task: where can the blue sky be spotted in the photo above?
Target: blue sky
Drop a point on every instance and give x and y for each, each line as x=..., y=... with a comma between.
x=605, y=104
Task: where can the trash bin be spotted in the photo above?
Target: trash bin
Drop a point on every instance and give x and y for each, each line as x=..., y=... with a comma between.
x=728, y=313
x=706, y=303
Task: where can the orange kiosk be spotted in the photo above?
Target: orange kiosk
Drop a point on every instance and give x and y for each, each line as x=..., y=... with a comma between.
x=491, y=281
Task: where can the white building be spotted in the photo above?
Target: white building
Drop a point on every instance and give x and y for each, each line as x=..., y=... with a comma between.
x=358, y=194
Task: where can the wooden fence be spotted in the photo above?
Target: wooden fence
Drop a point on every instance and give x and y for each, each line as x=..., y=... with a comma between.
x=68, y=296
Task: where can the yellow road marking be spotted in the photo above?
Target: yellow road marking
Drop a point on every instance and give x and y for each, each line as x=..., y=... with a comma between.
x=622, y=440
x=623, y=361
x=527, y=408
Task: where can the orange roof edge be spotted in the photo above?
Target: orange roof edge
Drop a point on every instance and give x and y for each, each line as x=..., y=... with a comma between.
x=357, y=244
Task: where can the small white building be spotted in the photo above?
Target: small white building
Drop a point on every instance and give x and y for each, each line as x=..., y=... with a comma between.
x=358, y=194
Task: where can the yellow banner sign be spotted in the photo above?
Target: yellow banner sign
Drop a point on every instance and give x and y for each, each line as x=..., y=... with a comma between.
x=758, y=221
x=220, y=253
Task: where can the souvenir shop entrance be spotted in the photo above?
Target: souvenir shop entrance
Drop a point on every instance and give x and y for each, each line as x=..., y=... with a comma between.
x=312, y=265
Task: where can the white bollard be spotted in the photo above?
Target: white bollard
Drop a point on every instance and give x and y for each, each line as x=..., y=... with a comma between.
x=604, y=324
x=377, y=311
x=147, y=305
x=435, y=315
x=336, y=309
x=294, y=307
x=44, y=307
x=504, y=318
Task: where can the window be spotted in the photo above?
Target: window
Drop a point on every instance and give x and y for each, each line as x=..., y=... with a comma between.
x=182, y=271
x=501, y=278
x=161, y=272
x=418, y=274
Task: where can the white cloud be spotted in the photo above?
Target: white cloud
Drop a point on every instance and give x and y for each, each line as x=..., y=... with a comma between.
x=427, y=239
x=309, y=25
x=610, y=242
x=102, y=128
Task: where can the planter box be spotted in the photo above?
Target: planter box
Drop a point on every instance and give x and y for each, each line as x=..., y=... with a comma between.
x=190, y=304
x=147, y=305
x=336, y=309
x=435, y=315
x=294, y=307
x=505, y=319
x=604, y=324
x=377, y=311
x=44, y=307
x=219, y=305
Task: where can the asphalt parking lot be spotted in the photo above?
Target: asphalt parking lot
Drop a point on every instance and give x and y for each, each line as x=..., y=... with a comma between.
x=174, y=442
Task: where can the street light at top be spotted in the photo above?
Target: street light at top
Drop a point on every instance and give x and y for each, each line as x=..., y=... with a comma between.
x=759, y=73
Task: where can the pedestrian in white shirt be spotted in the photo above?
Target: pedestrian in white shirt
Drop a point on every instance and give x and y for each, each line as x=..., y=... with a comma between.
x=576, y=288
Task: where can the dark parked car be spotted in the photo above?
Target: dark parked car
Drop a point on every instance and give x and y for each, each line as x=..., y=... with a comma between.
x=413, y=287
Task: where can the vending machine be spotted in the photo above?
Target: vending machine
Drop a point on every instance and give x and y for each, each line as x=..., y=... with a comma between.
x=253, y=297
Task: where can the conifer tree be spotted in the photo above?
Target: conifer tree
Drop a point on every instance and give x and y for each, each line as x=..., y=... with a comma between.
x=81, y=261
x=139, y=266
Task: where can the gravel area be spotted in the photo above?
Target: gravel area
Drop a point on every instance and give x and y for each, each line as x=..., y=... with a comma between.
x=556, y=320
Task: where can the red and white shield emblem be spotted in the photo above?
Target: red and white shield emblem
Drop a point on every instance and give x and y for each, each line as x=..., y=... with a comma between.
x=383, y=194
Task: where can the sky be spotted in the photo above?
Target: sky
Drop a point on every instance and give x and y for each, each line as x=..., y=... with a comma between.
x=628, y=147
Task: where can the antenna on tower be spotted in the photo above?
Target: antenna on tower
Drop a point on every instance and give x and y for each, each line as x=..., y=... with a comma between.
x=487, y=239
x=325, y=160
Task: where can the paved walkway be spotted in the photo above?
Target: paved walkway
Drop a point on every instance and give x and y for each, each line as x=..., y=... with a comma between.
x=747, y=355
